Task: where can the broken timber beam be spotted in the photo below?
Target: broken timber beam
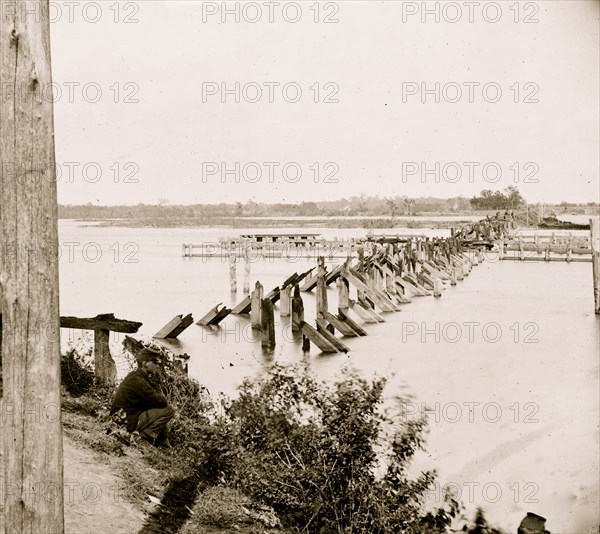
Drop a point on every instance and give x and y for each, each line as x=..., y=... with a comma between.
x=311, y=282
x=243, y=307
x=322, y=329
x=273, y=295
x=106, y=321
x=214, y=316
x=340, y=325
x=343, y=316
x=290, y=281
x=380, y=300
x=418, y=289
x=333, y=275
x=319, y=340
x=174, y=327
x=302, y=277
x=368, y=315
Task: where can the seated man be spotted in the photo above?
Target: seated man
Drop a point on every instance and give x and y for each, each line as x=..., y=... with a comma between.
x=145, y=406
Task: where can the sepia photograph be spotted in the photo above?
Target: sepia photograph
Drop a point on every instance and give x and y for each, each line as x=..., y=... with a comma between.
x=299, y=267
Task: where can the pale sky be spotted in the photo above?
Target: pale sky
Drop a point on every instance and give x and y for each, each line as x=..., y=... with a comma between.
x=173, y=145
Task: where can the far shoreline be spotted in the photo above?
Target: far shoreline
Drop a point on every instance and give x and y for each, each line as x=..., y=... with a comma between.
x=434, y=221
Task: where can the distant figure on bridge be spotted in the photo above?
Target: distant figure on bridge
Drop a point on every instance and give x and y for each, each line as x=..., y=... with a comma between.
x=146, y=408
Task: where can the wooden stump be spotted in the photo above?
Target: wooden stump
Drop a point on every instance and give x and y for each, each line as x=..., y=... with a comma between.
x=321, y=289
x=343, y=293
x=256, y=309
x=232, y=273
x=247, y=265
x=285, y=302
x=437, y=288
x=104, y=365
x=267, y=335
x=297, y=310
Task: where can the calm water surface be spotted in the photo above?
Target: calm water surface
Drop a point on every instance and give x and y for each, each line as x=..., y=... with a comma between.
x=506, y=362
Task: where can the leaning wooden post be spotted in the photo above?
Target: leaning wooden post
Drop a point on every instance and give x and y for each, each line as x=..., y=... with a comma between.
x=267, y=327
x=595, y=246
x=255, y=309
x=361, y=257
x=297, y=310
x=232, y=273
x=30, y=427
x=321, y=289
x=390, y=282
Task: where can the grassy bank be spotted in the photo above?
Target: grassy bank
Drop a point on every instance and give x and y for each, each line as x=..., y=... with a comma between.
x=288, y=455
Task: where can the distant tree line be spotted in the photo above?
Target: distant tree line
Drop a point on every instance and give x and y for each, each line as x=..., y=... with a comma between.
x=353, y=206
x=498, y=200
x=361, y=205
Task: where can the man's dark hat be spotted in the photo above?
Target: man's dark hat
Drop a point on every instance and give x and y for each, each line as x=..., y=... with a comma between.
x=148, y=355
x=533, y=523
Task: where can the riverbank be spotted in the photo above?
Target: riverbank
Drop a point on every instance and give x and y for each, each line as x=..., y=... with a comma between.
x=119, y=484
x=137, y=487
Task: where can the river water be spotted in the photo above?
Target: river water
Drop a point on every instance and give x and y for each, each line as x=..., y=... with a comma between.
x=505, y=363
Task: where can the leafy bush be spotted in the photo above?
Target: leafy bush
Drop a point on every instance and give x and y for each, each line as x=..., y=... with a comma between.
x=76, y=373
x=312, y=453
x=480, y=525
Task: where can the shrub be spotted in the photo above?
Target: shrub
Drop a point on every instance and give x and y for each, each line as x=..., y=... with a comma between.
x=76, y=375
x=312, y=453
x=480, y=525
